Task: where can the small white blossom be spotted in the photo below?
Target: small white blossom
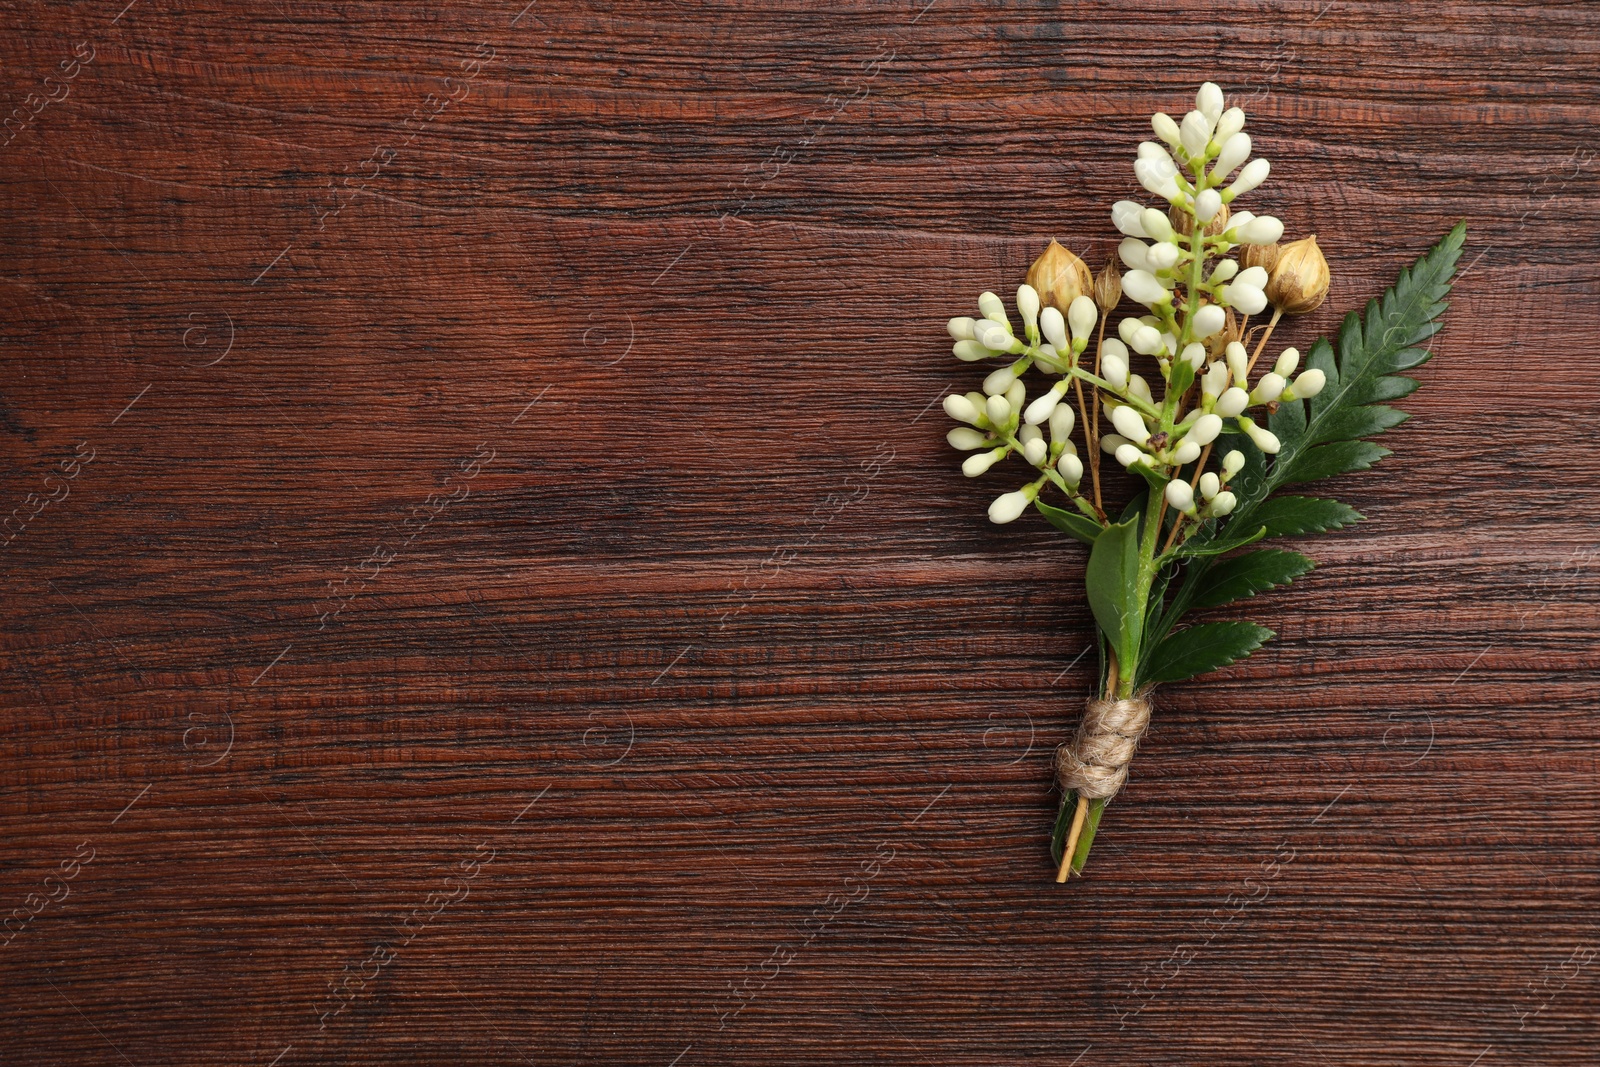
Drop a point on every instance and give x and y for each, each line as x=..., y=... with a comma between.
x=1158, y=179
x=1268, y=389
x=1187, y=452
x=961, y=409
x=1180, y=496
x=1207, y=204
x=1207, y=321
x=1210, y=485
x=1061, y=420
x=1253, y=174
x=1071, y=468
x=1045, y=406
x=1194, y=132
x=1231, y=122
x=966, y=438
x=1009, y=507
x=992, y=308
x=1128, y=455
x=1028, y=307
x=1288, y=360
x=1156, y=224
x=1205, y=429
x=961, y=329
x=1194, y=355
x=1223, y=504
x=1208, y=101
x=998, y=410
x=1143, y=288
x=979, y=462
x=968, y=351
x=1054, y=328
x=1114, y=369
x=1125, y=217
x=1231, y=402
x=1235, y=150
x=1310, y=383
x=1082, y=315
x=1035, y=451
x=1130, y=424
x=1109, y=443
x=1264, y=438
x=1232, y=464
x=1165, y=128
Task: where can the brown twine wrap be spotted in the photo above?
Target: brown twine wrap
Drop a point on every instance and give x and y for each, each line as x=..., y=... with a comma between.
x=1095, y=764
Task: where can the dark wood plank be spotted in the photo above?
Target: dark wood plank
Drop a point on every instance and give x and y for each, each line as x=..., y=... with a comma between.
x=708, y=721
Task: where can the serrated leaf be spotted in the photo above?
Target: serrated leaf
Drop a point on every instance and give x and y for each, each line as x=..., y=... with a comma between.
x=1372, y=348
x=1080, y=526
x=1198, y=649
x=1290, y=516
x=1245, y=576
x=1112, y=578
x=1235, y=537
x=1324, y=461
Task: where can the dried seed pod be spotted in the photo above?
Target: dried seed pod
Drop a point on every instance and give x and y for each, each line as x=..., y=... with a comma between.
x=1299, y=281
x=1108, y=287
x=1059, y=276
x=1263, y=256
x=1183, y=222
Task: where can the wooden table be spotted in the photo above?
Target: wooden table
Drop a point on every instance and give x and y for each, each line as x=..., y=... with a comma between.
x=488, y=586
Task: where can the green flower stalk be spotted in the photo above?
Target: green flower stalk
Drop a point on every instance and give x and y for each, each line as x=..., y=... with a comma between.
x=1209, y=453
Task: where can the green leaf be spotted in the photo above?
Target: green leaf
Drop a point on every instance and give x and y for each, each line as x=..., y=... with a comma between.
x=1235, y=537
x=1082, y=527
x=1198, y=649
x=1322, y=437
x=1112, y=577
x=1337, y=457
x=1244, y=576
x=1289, y=516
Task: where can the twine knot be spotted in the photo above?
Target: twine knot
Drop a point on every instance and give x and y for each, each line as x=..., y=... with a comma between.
x=1095, y=764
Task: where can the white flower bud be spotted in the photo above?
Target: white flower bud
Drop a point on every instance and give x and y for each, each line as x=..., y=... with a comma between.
x=1008, y=507
x=992, y=307
x=1015, y=395
x=1061, y=420
x=1166, y=129
x=1125, y=216
x=1143, y=288
x=1253, y=174
x=1231, y=402
x=961, y=329
x=1207, y=321
x=1224, y=271
x=1109, y=443
x=1194, y=132
x=1215, y=380
x=961, y=409
x=1208, y=101
x=1071, y=468
x=1151, y=150
x=1247, y=299
x=1044, y=407
x=1126, y=329
x=1310, y=383
x=1288, y=360
x=1113, y=347
x=1232, y=463
x=1114, y=369
x=1161, y=181
x=1223, y=503
x=1210, y=485
x=998, y=410
x=1268, y=389
x=969, y=351
x=1254, y=277
x=1187, y=452
x=979, y=462
x=1082, y=316
x=1029, y=433
x=1035, y=451
x=1180, y=496
x=1206, y=205
x=1235, y=150
x=1146, y=341
x=1028, y=306
x=1238, y=363
x=994, y=336
x=1128, y=455
x=966, y=438
x=1162, y=257
x=1130, y=424
x=1231, y=122
x=1264, y=438
x=1135, y=254
x=1053, y=327
x=999, y=381
x=1205, y=429
x=1195, y=355
x=1140, y=388
x=1156, y=224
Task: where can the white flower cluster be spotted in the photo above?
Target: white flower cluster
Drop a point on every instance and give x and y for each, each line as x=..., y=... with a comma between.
x=1179, y=268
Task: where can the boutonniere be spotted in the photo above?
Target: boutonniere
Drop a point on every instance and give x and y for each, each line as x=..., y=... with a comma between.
x=1218, y=434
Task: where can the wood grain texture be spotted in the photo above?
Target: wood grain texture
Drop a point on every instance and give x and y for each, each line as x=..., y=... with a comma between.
x=691, y=712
